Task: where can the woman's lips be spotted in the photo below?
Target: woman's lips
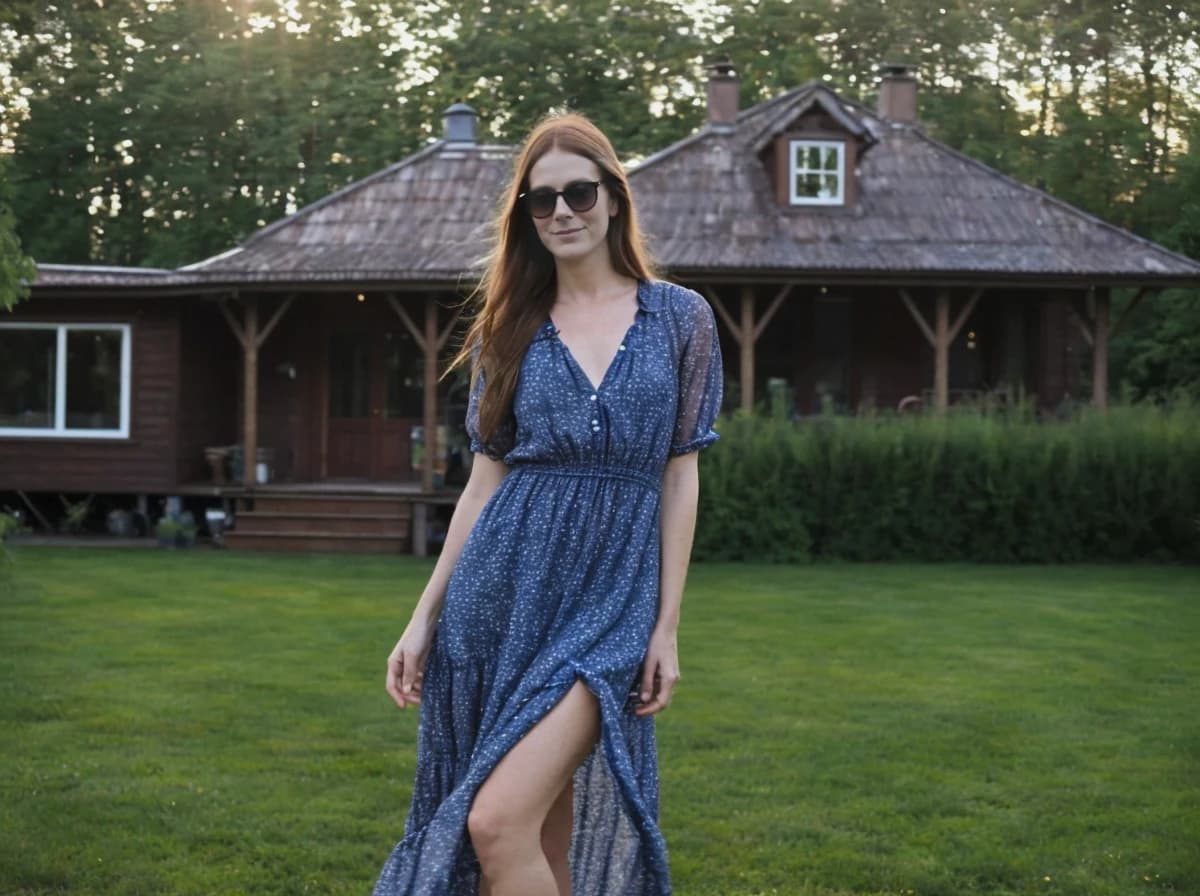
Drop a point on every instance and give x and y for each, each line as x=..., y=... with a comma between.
x=566, y=232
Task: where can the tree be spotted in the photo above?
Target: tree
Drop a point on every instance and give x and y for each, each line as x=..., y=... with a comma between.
x=1158, y=354
x=17, y=270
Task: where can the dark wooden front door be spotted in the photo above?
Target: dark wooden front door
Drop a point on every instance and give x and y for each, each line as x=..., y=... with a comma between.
x=375, y=393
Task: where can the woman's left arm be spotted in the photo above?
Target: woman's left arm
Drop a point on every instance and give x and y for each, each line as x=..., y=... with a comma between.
x=677, y=526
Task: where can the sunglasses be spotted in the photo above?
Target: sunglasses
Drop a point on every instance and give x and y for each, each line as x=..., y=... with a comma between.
x=580, y=196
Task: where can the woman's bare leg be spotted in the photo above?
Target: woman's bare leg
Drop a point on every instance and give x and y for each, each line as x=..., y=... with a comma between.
x=556, y=841
x=556, y=837
x=509, y=816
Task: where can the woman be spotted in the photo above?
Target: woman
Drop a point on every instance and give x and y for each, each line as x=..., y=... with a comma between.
x=556, y=596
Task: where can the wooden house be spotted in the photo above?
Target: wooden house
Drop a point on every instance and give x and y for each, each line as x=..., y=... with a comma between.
x=857, y=260
x=852, y=259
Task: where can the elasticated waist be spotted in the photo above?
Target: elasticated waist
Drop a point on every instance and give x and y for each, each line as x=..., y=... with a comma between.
x=591, y=471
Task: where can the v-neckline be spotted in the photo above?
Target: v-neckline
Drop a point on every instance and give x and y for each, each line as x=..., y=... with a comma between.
x=597, y=386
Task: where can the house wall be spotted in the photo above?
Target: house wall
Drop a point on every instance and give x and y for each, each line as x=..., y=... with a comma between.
x=291, y=410
x=210, y=361
x=894, y=360
x=294, y=413
x=1058, y=374
x=146, y=461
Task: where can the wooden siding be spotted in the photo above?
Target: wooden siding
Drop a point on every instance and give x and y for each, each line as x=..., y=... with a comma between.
x=146, y=461
x=289, y=413
x=1058, y=354
x=894, y=360
x=210, y=363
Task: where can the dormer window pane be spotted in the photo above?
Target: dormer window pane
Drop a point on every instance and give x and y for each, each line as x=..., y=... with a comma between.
x=808, y=184
x=817, y=176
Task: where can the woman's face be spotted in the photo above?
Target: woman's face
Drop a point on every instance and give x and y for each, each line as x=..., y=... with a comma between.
x=571, y=235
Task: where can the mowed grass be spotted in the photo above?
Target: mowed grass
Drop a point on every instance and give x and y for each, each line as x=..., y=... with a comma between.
x=211, y=723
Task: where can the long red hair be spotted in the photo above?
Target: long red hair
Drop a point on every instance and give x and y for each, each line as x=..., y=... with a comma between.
x=516, y=291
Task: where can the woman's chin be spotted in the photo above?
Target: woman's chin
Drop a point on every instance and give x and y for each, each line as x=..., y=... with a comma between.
x=572, y=252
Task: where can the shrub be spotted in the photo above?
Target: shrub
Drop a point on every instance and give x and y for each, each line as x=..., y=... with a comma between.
x=971, y=485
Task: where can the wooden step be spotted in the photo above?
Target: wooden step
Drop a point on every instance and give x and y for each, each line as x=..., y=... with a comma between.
x=350, y=523
x=319, y=542
x=340, y=504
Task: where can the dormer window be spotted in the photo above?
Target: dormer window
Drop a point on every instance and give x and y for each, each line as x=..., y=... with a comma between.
x=817, y=172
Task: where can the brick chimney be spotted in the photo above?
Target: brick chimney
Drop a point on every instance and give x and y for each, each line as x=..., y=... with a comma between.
x=722, y=95
x=459, y=121
x=897, y=93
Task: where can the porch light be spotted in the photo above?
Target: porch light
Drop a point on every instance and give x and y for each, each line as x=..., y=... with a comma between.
x=361, y=297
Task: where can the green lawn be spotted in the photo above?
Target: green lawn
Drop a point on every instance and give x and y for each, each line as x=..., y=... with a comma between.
x=209, y=723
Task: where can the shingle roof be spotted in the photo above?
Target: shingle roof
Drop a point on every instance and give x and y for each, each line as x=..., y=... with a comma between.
x=708, y=206
x=424, y=218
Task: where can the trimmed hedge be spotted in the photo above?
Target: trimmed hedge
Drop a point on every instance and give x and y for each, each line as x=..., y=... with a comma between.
x=969, y=486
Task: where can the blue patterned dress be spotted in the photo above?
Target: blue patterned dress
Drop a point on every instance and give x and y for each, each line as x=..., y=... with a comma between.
x=557, y=581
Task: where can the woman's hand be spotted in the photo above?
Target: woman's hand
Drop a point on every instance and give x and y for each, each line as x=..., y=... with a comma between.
x=660, y=672
x=406, y=663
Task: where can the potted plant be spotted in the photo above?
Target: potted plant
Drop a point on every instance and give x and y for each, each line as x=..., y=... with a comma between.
x=187, y=530
x=167, y=532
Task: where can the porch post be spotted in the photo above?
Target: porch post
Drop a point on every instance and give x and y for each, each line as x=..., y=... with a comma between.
x=747, y=333
x=941, y=349
x=250, y=394
x=430, y=401
x=430, y=344
x=747, y=348
x=1100, y=350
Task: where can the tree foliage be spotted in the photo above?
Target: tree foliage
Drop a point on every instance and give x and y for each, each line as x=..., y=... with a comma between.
x=16, y=269
x=158, y=132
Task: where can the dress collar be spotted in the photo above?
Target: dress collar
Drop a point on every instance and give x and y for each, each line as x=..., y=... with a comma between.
x=649, y=295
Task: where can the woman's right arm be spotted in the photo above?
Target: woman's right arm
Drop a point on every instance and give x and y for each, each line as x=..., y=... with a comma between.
x=406, y=664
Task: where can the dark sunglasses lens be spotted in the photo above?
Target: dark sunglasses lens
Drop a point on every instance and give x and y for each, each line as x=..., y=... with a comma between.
x=541, y=202
x=580, y=196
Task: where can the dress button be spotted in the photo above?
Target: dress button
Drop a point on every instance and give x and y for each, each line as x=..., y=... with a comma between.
x=621, y=347
x=593, y=397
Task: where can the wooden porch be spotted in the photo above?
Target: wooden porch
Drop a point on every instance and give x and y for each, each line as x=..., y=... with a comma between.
x=341, y=517
x=341, y=391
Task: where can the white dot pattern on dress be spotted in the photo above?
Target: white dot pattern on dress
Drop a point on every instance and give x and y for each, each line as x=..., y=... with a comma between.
x=558, y=581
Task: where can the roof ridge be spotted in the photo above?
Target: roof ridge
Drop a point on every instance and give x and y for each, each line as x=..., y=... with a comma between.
x=706, y=130
x=1055, y=200
x=780, y=98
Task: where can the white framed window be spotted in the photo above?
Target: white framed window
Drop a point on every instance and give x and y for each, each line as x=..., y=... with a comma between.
x=817, y=172
x=65, y=380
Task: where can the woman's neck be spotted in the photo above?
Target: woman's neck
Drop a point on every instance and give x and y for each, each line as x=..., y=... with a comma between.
x=588, y=279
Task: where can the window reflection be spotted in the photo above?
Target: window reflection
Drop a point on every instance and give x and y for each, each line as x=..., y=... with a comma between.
x=93, y=379
x=27, y=373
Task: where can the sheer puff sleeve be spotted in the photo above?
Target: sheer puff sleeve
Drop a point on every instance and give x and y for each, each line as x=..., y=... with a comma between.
x=503, y=439
x=701, y=378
